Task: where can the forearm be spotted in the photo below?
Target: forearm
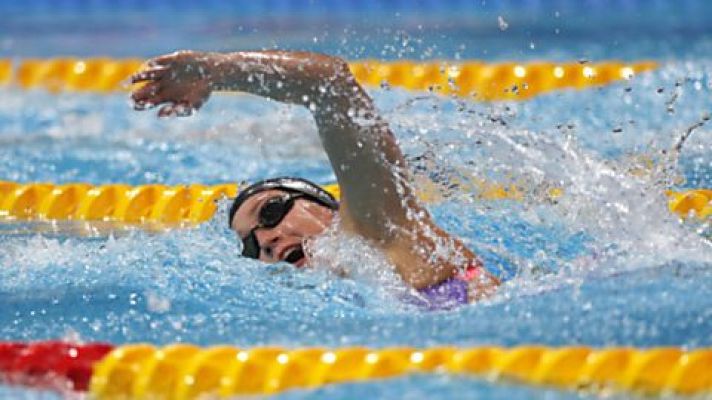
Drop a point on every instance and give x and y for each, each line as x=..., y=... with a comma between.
x=290, y=77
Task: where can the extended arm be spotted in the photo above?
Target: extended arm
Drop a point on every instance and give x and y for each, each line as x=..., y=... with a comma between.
x=366, y=160
x=377, y=200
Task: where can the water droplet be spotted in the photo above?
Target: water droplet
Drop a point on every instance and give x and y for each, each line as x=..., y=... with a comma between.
x=503, y=25
x=156, y=303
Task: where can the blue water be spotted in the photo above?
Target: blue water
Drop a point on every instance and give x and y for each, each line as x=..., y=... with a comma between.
x=607, y=264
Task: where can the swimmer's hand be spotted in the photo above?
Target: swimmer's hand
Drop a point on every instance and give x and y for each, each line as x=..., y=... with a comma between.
x=180, y=81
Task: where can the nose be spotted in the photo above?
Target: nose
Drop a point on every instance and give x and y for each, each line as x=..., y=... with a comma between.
x=268, y=239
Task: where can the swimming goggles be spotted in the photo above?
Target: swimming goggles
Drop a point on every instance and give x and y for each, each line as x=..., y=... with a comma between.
x=270, y=215
x=286, y=184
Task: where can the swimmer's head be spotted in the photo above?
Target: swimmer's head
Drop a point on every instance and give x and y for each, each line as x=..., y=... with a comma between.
x=274, y=217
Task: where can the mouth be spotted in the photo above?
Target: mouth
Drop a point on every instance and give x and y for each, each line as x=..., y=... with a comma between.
x=295, y=256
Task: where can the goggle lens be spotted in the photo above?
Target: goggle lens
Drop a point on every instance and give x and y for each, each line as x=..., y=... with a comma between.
x=250, y=246
x=274, y=210
x=270, y=215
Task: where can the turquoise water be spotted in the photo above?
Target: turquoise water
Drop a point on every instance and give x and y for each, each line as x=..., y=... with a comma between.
x=605, y=265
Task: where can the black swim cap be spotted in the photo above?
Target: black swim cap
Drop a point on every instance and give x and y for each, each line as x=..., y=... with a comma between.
x=287, y=184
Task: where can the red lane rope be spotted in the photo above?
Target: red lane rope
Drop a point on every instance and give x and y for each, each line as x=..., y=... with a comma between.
x=50, y=364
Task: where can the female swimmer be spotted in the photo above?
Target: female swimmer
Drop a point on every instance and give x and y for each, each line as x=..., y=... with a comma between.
x=274, y=218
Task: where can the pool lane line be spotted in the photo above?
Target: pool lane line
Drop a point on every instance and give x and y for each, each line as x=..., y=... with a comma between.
x=164, y=206
x=185, y=371
x=476, y=80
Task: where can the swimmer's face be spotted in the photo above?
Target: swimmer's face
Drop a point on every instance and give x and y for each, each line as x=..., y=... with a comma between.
x=284, y=241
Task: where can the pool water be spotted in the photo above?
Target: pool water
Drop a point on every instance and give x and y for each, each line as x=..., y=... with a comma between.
x=606, y=264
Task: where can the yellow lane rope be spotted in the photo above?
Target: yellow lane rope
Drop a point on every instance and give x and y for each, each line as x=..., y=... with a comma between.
x=182, y=371
x=500, y=81
x=473, y=79
x=112, y=202
x=195, y=203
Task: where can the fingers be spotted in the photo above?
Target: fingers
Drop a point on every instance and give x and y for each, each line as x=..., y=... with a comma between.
x=175, y=110
x=146, y=96
x=150, y=74
x=156, y=93
x=144, y=105
x=161, y=61
x=167, y=59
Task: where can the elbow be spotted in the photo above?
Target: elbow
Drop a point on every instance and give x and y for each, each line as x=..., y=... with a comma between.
x=337, y=75
x=339, y=67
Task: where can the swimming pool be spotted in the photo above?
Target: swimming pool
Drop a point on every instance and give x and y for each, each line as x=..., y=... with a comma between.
x=605, y=265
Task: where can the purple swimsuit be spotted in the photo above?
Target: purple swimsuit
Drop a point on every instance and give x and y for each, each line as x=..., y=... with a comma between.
x=445, y=295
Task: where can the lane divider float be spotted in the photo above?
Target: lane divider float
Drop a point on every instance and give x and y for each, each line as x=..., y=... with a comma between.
x=184, y=371
x=500, y=81
x=473, y=79
x=174, y=206
x=113, y=202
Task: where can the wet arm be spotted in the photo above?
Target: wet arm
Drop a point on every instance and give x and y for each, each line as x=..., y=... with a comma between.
x=362, y=150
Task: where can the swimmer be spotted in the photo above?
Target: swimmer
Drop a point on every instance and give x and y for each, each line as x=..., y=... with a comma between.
x=276, y=217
